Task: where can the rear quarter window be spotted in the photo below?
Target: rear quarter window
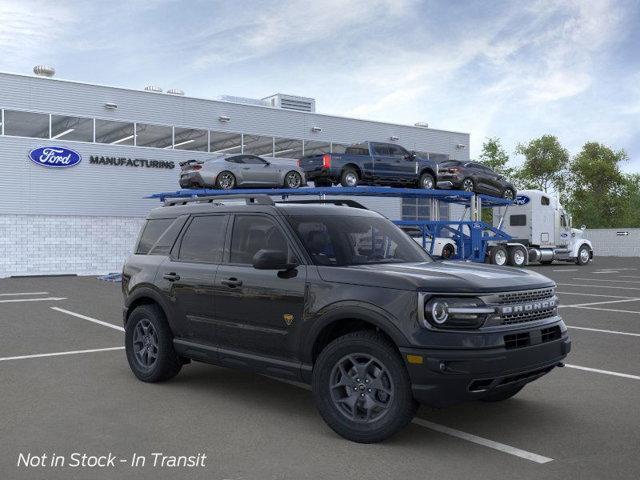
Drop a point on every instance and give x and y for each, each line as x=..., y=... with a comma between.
x=151, y=232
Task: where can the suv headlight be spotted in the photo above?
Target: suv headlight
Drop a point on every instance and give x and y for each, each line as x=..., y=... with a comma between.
x=455, y=312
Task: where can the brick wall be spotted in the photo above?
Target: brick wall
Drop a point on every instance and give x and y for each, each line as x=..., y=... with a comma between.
x=50, y=244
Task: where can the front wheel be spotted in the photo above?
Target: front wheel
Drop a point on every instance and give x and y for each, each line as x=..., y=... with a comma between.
x=508, y=194
x=584, y=255
x=362, y=388
x=448, y=251
x=292, y=179
x=427, y=181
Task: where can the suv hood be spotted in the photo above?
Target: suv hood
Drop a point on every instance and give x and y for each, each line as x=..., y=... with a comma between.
x=447, y=276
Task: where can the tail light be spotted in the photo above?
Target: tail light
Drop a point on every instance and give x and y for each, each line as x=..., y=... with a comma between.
x=326, y=161
x=196, y=167
x=452, y=170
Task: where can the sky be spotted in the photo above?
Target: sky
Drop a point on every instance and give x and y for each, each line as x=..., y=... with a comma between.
x=514, y=70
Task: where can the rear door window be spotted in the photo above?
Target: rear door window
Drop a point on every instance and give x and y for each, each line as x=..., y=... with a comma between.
x=252, y=233
x=203, y=241
x=151, y=233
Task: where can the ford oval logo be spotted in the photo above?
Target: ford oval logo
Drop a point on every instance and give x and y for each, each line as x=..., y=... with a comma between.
x=521, y=200
x=55, y=157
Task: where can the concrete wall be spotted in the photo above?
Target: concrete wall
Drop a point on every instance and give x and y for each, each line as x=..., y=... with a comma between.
x=607, y=242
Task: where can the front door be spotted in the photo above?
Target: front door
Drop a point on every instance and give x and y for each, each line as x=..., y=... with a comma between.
x=189, y=275
x=256, y=309
x=257, y=171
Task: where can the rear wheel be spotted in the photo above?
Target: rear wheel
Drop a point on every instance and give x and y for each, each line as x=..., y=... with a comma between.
x=448, y=251
x=362, y=389
x=517, y=257
x=501, y=395
x=149, y=345
x=508, y=194
x=292, y=179
x=427, y=181
x=498, y=255
x=468, y=185
x=225, y=181
x=349, y=178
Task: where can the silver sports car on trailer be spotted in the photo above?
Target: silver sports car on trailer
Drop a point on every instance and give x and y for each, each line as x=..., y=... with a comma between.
x=232, y=171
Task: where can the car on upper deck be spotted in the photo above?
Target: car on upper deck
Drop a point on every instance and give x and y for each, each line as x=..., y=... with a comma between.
x=475, y=177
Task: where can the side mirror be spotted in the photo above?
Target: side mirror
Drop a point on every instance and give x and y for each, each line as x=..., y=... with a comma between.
x=272, y=260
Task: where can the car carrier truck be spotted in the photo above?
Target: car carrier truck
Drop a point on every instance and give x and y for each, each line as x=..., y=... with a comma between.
x=540, y=231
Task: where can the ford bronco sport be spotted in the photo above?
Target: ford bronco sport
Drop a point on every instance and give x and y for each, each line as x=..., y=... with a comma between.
x=337, y=297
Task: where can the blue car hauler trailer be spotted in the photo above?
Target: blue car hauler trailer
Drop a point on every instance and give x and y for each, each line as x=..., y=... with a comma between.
x=474, y=238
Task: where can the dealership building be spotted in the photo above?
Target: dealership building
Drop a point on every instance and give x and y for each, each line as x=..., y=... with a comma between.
x=127, y=144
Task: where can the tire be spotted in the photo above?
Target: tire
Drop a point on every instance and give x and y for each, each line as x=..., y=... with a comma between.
x=427, y=182
x=292, y=180
x=389, y=408
x=149, y=321
x=501, y=395
x=517, y=257
x=322, y=182
x=468, y=185
x=349, y=178
x=225, y=180
x=498, y=256
x=448, y=251
x=508, y=194
x=584, y=255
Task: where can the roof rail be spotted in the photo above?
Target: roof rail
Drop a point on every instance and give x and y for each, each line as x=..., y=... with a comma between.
x=338, y=202
x=259, y=199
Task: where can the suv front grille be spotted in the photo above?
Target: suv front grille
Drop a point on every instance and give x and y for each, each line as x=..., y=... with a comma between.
x=525, y=296
x=528, y=305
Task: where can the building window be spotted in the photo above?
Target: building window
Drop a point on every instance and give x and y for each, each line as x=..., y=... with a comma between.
x=224, y=142
x=114, y=133
x=258, y=145
x=312, y=147
x=287, y=148
x=191, y=139
x=157, y=136
x=26, y=124
x=419, y=209
x=72, y=128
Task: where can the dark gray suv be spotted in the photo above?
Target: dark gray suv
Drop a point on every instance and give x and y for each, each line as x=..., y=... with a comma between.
x=337, y=297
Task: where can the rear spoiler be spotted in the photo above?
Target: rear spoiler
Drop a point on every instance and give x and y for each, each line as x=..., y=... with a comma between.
x=190, y=162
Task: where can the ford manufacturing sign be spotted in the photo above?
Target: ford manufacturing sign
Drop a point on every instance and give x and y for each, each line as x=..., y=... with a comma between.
x=56, y=157
x=521, y=200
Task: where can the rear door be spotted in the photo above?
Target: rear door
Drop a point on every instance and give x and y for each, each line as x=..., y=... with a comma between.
x=188, y=275
x=256, y=309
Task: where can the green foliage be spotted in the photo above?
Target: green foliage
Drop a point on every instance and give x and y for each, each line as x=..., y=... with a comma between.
x=599, y=192
x=495, y=157
x=545, y=164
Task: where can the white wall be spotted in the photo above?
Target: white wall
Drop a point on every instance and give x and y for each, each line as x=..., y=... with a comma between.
x=55, y=244
x=607, y=243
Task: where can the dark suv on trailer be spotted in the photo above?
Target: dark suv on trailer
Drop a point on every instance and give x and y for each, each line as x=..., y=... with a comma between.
x=337, y=297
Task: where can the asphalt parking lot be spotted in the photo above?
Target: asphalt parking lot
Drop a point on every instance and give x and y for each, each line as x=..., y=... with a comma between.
x=66, y=387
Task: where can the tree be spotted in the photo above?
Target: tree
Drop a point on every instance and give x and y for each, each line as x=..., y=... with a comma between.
x=495, y=157
x=599, y=191
x=545, y=164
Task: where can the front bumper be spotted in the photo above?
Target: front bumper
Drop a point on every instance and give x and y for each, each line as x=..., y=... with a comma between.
x=450, y=376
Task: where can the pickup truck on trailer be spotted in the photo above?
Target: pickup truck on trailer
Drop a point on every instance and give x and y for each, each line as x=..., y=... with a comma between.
x=371, y=163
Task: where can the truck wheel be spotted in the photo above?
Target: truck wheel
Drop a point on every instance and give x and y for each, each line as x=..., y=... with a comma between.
x=584, y=255
x=427, y=182
x=149, y=345
x=517, y=257
x=498, y=256
x=501, y=395
x=448, y=251
x=362, y=388
x=349, y=178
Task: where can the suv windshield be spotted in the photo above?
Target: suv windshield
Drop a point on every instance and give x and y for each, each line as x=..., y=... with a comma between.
x=355, y=240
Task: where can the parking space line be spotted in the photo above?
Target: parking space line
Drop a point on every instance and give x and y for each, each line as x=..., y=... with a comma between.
x=592, y=294
x=599, y=303
x=565, y=270
x=596, y=286
x=43, y=299
x=22, y=293
x=609, y=310
x=599, y=330
x=57, y=354
x=534, y=457
x=606, y=372
x=605, y=280
x=89, y=319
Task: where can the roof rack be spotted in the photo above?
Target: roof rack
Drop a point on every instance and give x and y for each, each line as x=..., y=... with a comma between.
x=259, y=199
x=338, y=202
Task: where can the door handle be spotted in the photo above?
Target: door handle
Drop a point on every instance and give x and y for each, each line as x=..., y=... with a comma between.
x=172, y=277
x=231, y=282
x=246, y=168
